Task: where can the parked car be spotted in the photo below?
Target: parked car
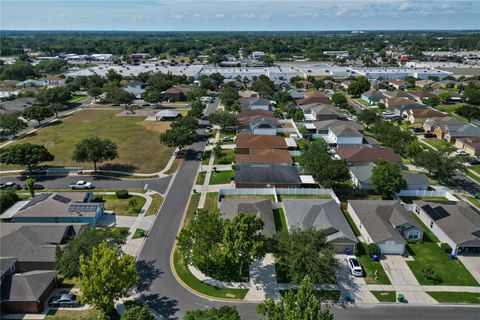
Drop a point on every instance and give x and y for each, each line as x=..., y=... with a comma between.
x=9, y=185
x=65, y=301
x=418, y=130
x=461, y=153
x=82, y=185
x=354, y=266
x=429, y=135
x=227, y=139
x=199, y=155
x=35, y=187
x=473, y=161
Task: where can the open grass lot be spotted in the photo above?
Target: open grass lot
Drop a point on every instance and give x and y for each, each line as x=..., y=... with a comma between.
x=228, y=156
x=385, y=296
x=122, y=207
x=211, y=201
x=455, y=297
x=137, y=140
x=411, y=199
x=222, y=177
x=191, y=281
x=449, y=272
x=157, y=201
x=280, y=220
x=90, y=314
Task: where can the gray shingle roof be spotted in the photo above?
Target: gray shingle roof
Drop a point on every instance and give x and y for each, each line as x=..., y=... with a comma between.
x=458, y=220
x=345, y=131
x=321, y=214
x=262, y=208
x=381, y=217
x=362, y=173
x=276, y=174
x=27, y=286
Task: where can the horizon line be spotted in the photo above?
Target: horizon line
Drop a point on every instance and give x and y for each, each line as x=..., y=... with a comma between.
x=233, y=30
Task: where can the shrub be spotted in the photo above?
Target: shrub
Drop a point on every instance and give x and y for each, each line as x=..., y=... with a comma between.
x=122, y=194
x=373, y=249
x=7, y=198
x=446, y=248
x=97, y=198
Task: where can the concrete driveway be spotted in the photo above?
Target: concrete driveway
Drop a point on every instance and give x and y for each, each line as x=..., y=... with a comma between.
x=355, y=285
x=404, y=281
x=472, y=263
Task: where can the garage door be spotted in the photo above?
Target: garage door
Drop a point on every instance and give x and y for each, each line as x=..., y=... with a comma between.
x=342, y=247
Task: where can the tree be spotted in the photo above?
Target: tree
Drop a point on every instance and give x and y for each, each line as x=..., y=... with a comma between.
x=358, y=86
x=438, y=163
x=153, y=96
x=138, y=313
x=199, y=242
x=306, y=253
x=56, y=108
x=222, y=313
x=18, y=71
x=95, y=150
x=444, y=96
x=178, y=137
x=54, y=95
x=268, y=60
x=243, y=241
x=51, y=66
x=368, y=117
x=105, y=276
x=196, y=110
x=263, y=86
x=469, y=112
x=471, y=94
x=30, y=183
x=67, y=259
x=432, y=101
x=387, y=179
x=196, y=93
x=8, y=197
x=318, y=162
x=25, y=154
x=339, y=100
x=413, y=149
x=301, y=305
x=224, y=119
x=11, y=123
x=37, y=112
x=119, y=96
x=95, y=92
x=113, y=76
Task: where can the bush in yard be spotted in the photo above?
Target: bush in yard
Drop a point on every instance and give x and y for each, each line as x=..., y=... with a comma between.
x=8, y=198
x=373, y=249
x=122, y=194
x=97, y=198
x=430, y=274
x=446, y=248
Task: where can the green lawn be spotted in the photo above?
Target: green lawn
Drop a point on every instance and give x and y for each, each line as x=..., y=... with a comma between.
x=227, y=157
x=121, y=207
x=455, y=297
x=280, y=220
x=385, y=296
x=296, y=158
x=222, y=177
x=211, y=201
x=411, y=199
x=139, y=149
x=449, y=272
x=138, y=234
x=475, y=168
x=90, y=314
x=250, y=196
x=191, y=281
x=472, y=176
x=206, y=157
x=473, y=200
x=192, y=206
x=157, y=201
x=228, y=134
x=76, y=98
x=437, y=143
x=323, y=295
x=201, y=178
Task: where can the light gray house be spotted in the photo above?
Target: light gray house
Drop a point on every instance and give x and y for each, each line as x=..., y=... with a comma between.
x=166, y=115
x=324, y=214
x=386, y=223
x=455, y=223
x=231, y=207
x=362, y=178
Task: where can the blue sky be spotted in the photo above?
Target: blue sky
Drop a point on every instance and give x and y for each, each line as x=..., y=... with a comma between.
x=239, y=15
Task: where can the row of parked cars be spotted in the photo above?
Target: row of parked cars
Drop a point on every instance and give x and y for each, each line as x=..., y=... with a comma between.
x=81, y=184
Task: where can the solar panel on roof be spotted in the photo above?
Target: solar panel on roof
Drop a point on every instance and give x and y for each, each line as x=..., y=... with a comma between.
x=37, y=199
x=436, y=213
x=82, y=208
x=61, y=198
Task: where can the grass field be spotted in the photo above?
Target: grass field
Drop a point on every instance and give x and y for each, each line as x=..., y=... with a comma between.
x=121, y=207
x=137, y=140
x=280, y=220
x=221, y=177
x=157, y=201
x=455, y=297
x=191, y=281
x=385, y=296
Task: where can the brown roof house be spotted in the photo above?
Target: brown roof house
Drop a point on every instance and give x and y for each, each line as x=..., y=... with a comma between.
x=178, y=92
x=470, y=145
x=314, y=97
x=366, y=155
x=419, y=115
x=386, y=223
x=264, y=156
x=254, y=141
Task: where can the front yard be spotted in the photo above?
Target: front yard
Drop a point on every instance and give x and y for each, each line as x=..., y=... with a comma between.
x=123, y=207
x=221, y=177
x=455, y=297
x=385, y=296
x=227, y=157
x=436, y=143
x=139, y=149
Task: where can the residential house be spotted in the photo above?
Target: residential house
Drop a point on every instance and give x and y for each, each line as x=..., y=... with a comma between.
x=66, y=207
x=372, y=96
x=54, y=81
x=453, y=96
x=167, y=115
x=397, y=94
x=251, y=141
x=344, y=135
x=321, y=214
x=255, y=103
x=430, y=124
x=24, y=292
x=398, y=84
x=421, y=114
x=264, y=156
x=362, y=178
x=386, y=223
x=398, y=110
x=324, y=112
x=421, y=95
x=136, y=88
x=15, y=106
x=267, y=176
x=455, y=223
x=470, y=145
x=6, y=92
x=296, y=94
x=323, y=127
x=450, y=132
x=365, y=155
x=34, y=244
x=425, y=84
x=331, y=85
x=391, y=103
x=178, y=92
x=231, y=207
x=261, y=126
x=314, y=97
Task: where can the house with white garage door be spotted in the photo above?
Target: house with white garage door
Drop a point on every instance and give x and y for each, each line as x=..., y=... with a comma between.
x=385, y=223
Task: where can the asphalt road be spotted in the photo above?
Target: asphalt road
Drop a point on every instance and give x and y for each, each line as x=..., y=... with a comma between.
x=465, y=184
x=212, y=107
x=62, y=182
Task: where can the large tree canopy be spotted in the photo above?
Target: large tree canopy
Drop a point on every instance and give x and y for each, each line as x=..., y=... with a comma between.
x=387, y=179
x=25, y=154
x=95, y=150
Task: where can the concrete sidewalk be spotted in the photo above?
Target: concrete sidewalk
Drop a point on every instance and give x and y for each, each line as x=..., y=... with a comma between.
x=208, y=169
x=263, y=280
